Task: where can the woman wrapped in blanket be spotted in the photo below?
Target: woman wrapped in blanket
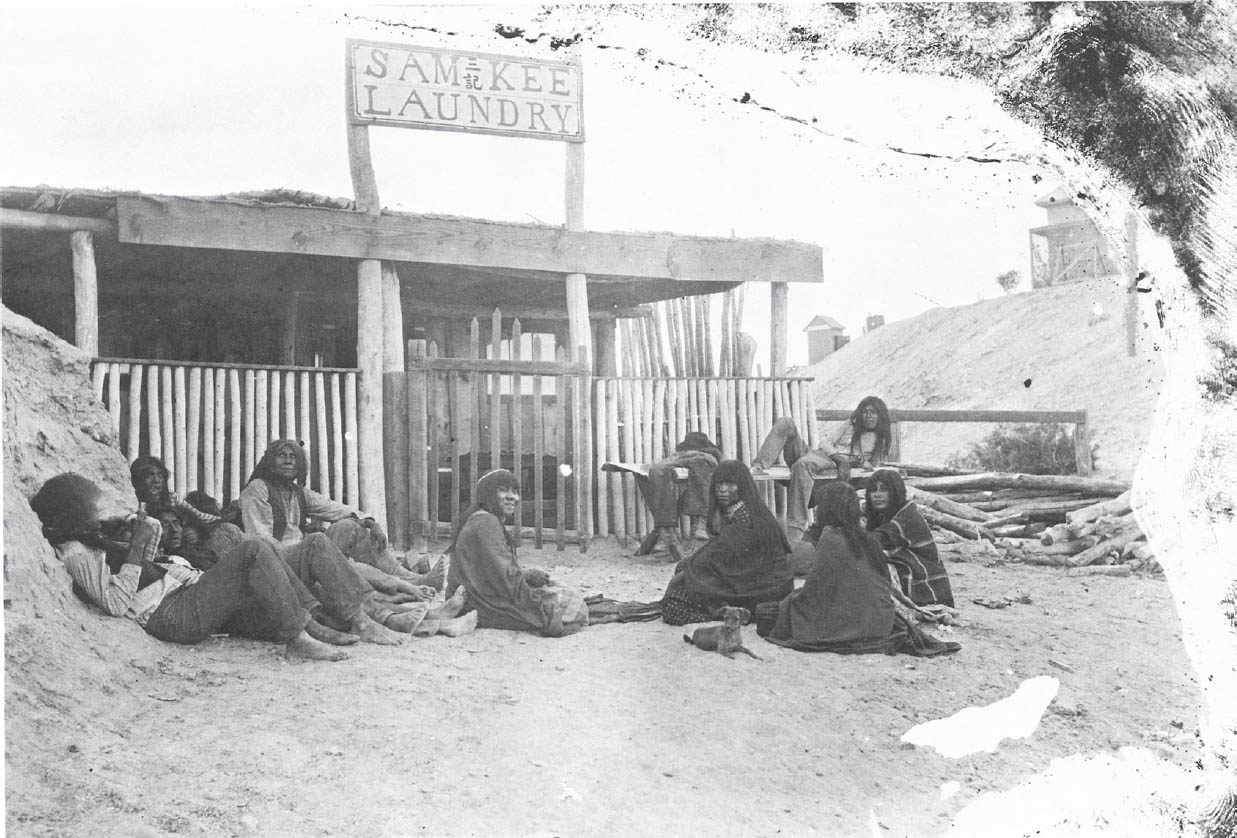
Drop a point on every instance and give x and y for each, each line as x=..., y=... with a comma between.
x=483, y=560
x=904, y=535
x=744, y=562
x=845, y=604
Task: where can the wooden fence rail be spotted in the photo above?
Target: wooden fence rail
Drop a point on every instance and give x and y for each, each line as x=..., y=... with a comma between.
x=210, y=423
x=1077, y=418
x=640, y=420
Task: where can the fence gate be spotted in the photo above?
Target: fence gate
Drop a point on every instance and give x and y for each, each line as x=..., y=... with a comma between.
x=466, y=416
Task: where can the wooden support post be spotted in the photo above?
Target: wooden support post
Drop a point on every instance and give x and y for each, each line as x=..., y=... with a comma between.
x=395, y=422
x=418, y=439
x=371, y=473
x=85, y=293
x=779, y=293
x=577, y=287
x=603, y=347
x=291, y=316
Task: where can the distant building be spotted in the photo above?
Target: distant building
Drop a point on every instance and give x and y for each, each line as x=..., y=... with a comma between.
x=874, y=321
x=1069, y=248
x=824, y=337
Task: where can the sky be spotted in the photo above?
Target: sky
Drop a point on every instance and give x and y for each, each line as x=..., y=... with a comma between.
x=208, y=101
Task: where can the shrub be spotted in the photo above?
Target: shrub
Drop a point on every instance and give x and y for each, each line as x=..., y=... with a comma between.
x=1028, y=449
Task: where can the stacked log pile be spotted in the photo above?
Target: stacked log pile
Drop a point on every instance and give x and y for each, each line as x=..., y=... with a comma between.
x=1083, y=524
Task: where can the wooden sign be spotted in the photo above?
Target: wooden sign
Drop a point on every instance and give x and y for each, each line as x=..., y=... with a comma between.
x=457, y=90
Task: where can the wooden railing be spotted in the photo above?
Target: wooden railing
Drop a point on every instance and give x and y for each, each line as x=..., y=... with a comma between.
x=1077, y=418
x=210, y=423
x=640, y=420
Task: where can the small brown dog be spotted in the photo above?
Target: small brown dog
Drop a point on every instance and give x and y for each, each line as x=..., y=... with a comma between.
x=726, y=638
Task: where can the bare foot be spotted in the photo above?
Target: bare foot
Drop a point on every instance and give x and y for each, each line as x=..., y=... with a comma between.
x=421, y=565
x=436, y=576
x=371, y=632
x=405, y=621
x=329, y=635
x=451, y=608
x=306, y=648
x=459, y=626
x=427, y=628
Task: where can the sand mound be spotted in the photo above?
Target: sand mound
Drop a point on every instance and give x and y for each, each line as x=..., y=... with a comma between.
x=61, y=657
x=1038, y=350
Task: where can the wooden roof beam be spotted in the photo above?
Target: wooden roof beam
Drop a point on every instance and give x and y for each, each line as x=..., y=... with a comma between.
x=26, y=220
x=182, y=222
x=416, y=308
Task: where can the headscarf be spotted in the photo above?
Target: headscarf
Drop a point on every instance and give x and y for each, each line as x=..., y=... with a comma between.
x=265, y=471
x=485, y=498
x=766, y=526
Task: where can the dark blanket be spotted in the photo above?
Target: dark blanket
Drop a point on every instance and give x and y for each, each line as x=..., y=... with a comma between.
x=911, y=550
x=733, y=568
x=844, y=606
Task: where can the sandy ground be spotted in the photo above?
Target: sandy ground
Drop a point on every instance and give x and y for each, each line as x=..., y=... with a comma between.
x=621, y=729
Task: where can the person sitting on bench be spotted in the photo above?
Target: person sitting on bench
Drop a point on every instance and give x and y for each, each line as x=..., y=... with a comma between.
x=668, y=497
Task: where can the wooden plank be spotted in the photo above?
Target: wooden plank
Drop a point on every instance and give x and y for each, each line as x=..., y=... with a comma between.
x=98, y=375
x=275, y=383
x=1064, y=417
x=503, y=366
x=180, y=472
x=462, y=311
x=729, y=441
x=614, y=484
x=218, y=428
x=630, y=505
x=337, y=437
x=85, y=293
x=455, y=389
x=113, y=399
x=223, y=366
x=538, y=451
x=418, y=441
x=476, y=410
x=433, y=404
x=16, y=219
x=995, y=480
x=404, y=237
x=166, y=424
x=193, y=430
x=581, y=444
x=353, y=487
x=744, y=410
x=235, y=477
x=289, y=407
x=322, y=448
x=208, y=433
x=305, y=400
x=712, y=399
x=136, y=373
x=601, y=435
x=702, y=406
x=561, y=397
x=517, y=427
x=496, y=393
x=261, y=414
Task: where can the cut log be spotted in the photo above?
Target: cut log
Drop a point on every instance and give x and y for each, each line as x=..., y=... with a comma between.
x=1008, y=519
x=1002, y=480
x=949, y=507
x=1047, y=502
x=1101, y=526
x=1100, y=570
x=1139, y=550
x=1116, y=543
x=963, y=527
x=1119, y=505
x=923, y=470
x=1017, y=530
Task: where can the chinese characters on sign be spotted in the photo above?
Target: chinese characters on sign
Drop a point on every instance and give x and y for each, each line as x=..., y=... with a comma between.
x=420, y=87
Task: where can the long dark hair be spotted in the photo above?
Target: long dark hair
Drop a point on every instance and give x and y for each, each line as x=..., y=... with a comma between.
x=884, y=434
x=485, y=499
x=766, y=526
x=892, y=481
x=837, y=505
x=265, y=468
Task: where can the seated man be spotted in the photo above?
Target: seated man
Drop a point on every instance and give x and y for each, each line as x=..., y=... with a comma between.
x=275, y=503
x=149, y=477
x=668, y=498
x=348, y=611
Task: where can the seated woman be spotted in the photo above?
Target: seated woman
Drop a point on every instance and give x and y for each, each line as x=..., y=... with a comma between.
x=668, y=498
x=178, y=605
x=149, y=477
x=845, y=604
x=483, y=560
x=904, y=535
x=745, y=561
